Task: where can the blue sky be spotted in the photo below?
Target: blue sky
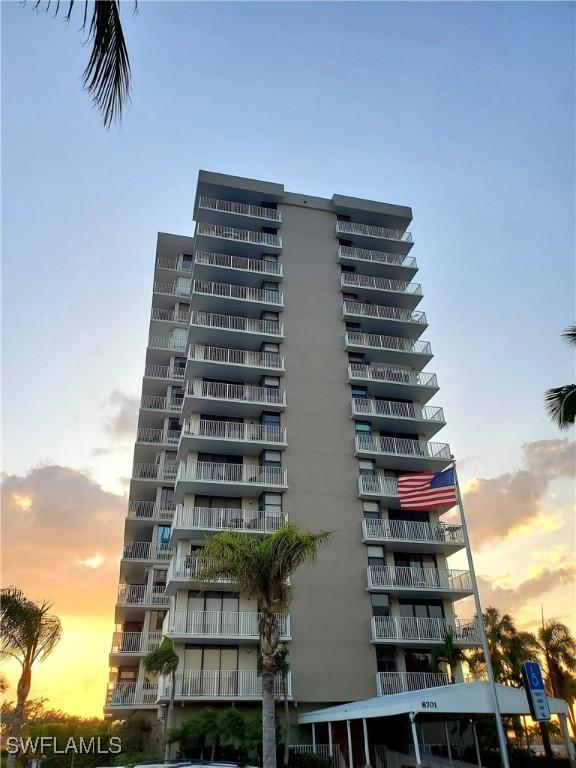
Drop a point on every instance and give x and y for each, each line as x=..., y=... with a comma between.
x=465, y=111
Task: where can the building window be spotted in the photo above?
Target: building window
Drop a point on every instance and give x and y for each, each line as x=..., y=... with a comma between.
x=272, y=382
x=359, y=393
x=380, y=605
x=367, y=467
x=371, y=510
x=376, y=556
x=270, y=459
x=363, y=427
x=270, y=419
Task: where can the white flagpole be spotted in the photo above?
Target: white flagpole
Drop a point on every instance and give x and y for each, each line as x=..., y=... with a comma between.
x=499, y=727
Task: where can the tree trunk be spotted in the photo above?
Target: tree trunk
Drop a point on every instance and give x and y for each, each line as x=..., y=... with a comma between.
x=286, y=724
x=168, y=723
x=18, y=718
x=268, y=714
x=546, y=743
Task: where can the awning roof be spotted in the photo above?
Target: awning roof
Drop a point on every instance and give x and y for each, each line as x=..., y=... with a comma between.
x=458, y=699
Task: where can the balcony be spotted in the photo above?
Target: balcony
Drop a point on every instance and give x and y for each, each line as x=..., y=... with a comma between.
x=141, y=596
x=220, y=684
x=125, y=644
x=195, y=522
x=173, y=264
x=241, y=270
x=173, y=316
x=122, y=695
x=163, y=373
x=411, y=582
x=412, y=631
x=221, y=625
x=158, y=437
x=376, y=318
x=208, y=435
x=166, y=292
x=161, y=404
x=183, y=571
x=223, y=330
x=379, y=487
x=389, y=349
x=371, y=237
x=146, y=551
x=414, y=536
x=388, y=381
x=228, y=479
x=167, y=344
x=403, y=454
x=396, y=293
x=210, y=296
x=150, y=511
x=393, y=265
x=389, y=683
x=154, y=472
x=235, y=363
x=231, y=399
x=213, y=237
x=230, y=212
x=392, y=416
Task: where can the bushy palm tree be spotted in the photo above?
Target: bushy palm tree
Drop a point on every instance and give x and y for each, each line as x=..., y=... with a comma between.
x=558, y=648
x=560, y=402
x=449, y=653
x=164, y=661
x=261, y=567
x=107, y=74
x=28, y=633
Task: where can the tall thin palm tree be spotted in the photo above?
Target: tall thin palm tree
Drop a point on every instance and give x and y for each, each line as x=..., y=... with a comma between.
x=28, y=633
x=262, y=567
x=560, y=402
x=107, y=74
x=500, y=630
x=449, y=652
x=558, y=648
x=164, y=661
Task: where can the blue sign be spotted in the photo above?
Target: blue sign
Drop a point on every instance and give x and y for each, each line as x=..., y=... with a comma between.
x=534, y=684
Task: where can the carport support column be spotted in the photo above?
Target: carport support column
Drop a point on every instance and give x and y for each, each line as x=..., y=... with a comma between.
x=366, y=747
x=350, y=755
x=314, y=738
x=567, y=740
x=476, y=745
x=448, y=742
x=330, y=746
x=415, y=739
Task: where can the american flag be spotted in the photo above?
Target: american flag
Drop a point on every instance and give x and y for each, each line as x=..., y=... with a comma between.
x=427, y=490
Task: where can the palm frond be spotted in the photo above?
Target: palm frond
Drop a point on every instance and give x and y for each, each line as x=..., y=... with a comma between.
x=560, y=404
x=162, y=661
x=570, y=335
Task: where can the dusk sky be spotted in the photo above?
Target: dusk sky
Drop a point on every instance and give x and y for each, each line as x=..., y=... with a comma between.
x=464, y=111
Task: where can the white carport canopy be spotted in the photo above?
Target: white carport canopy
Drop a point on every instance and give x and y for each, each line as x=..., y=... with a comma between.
x=458, y=699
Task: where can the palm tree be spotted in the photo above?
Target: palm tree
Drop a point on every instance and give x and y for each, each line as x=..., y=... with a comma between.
x=107, y=74
x=282, y=668
x=558, y=648
x=262, y=567
x=500, y=629
x=560, y=402
x=449, y=653
x=29, y=634
x=164, y=661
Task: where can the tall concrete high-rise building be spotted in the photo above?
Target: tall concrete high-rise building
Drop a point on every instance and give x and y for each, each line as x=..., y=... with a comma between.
x=284, y=380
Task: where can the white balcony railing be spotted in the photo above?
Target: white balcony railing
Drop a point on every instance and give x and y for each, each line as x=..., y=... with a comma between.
x=238, y=324
x=191, y=567
x=141, y=594
x=236, y=392
x=227, y=356
x=157, y=436
x=219, y=519
x=241, y=235
x=400, y=446
x=169, y=343
x=177, y=264
x=381, y=312
x=135, y=642
x=368, y=230
x=240, y=292
x=150, y=510
x=224, y=260
x=412, y=530
x=123, y=694
x=166, y=472
x=388, y=683
x=236, y=431
x=248, y=474
x=403, y=577
x=378, y=485
x=376, y=257
x=242, y=209
x=180, y=287
x=390, y=374
x=220, y=683
x=163, y=372
x=160, y=403
x=170, y=315
x=242, y=624
x=425, y=629
x=146, y=550
x=355, y=280
x=364, y=406
x=393, y=343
